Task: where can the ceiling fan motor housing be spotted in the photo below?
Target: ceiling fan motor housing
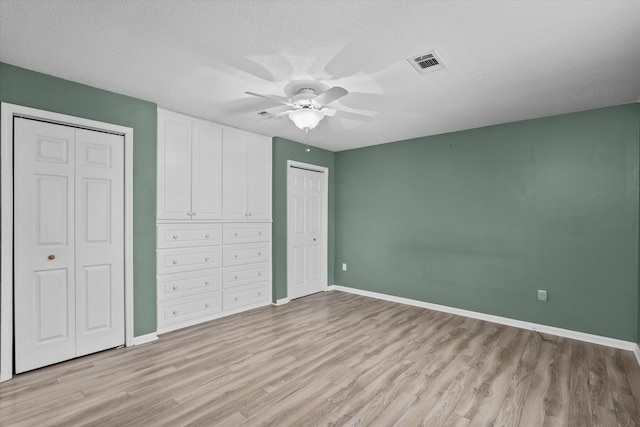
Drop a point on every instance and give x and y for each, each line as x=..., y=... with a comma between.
x=304, y=99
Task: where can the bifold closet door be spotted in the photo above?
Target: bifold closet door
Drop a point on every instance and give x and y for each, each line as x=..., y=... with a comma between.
x=68, y=242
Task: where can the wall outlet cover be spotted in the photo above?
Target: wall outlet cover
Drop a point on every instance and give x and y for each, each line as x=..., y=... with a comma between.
x=542, y=295
x=344, y=266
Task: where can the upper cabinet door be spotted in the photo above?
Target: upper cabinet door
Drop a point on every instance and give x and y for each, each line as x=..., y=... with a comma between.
x=206, y=154
x=174, y=168
x=259, y=178
x=234, y=175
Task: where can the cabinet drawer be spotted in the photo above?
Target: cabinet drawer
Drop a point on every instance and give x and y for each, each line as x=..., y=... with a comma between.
x=246, y=233
x=181, y=309
x=245, y=295
x=183, y=284
x=245, y=254
x=244, y=275
x=188, y=235
x=178, y=260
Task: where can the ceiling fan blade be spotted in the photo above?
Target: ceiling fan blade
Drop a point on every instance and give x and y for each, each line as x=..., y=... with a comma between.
x=330, y=95
x=272, y=98
x=353, y=116
x=283, y=113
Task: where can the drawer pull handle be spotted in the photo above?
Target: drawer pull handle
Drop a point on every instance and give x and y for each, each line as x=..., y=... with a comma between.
x=235, y=256
x=175, y=236
x=206, y=258
x=235, y=234
x=175, y=312
x=259, y=253
x=235, y=299
x=206, y=282
x=195, y=213
x=259, y=273
x=175, y=288
x=259, y=294
x=235, y=277
x=206, y=306
x=249, y=213
x=175, y=262
x=259, y=233
x=206, y=236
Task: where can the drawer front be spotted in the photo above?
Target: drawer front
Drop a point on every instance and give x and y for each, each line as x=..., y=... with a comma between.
x=178, y=310
x=178, y=260
x=244, y=275
x=245, y=254
x=245, y=295
x=183, y=284
x=246, y=233
x=188, y=235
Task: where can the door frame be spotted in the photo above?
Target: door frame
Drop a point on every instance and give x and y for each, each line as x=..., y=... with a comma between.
x=324, y=250
x=7, y=113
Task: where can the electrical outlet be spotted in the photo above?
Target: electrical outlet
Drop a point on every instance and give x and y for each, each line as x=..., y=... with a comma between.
x=344, y=266
x=542, y=295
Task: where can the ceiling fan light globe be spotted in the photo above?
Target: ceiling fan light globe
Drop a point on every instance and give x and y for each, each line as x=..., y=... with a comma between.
x=306, y=118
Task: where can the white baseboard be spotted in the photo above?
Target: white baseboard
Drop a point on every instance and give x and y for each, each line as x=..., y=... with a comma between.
x=281, y=301
x=567, y=333
x=143, y=339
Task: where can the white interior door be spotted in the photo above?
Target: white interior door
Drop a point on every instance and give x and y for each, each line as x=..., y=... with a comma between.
x=99, y=268
x=68, y=242
x=306, y=217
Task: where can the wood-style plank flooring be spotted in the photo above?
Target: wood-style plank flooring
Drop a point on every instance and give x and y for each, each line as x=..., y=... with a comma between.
x=336, y=359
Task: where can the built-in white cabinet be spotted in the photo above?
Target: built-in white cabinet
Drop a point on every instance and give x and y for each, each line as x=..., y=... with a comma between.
x=246, y=176
x=213, y=221
x=189, y=168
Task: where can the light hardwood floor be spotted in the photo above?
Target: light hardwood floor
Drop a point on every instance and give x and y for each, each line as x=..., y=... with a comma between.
x=336, y=359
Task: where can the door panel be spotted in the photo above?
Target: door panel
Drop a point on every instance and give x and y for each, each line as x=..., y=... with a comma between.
x=207, y=172
x=44, y=281
x=99, y=241
x=259, y=179
x=174, y=186
x=306, y=222
x=234, y=180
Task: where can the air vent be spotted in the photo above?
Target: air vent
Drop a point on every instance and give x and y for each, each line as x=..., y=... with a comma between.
x=268, y=116
x=426, y=62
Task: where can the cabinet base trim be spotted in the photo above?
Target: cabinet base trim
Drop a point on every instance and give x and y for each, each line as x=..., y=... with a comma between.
x=281, y=301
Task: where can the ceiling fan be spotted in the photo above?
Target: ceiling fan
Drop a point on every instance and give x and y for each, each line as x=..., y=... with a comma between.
x=308, y=108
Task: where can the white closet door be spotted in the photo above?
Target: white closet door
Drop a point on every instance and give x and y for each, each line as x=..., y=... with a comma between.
x=305, y=228
x=174, y=168
x=234, y=180
x=68, y=242
x=206, y=172
x=44, y=274
x=99, y=241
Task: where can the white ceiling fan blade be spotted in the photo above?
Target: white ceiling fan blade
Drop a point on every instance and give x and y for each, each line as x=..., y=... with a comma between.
x=330, y=95
x=283, y=113
x=353, y=116
x=272, y=98
x=328, y=112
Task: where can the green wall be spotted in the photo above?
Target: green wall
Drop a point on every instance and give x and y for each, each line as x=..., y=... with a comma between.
x=481, y=219
x=283, y=150
x=31, y=89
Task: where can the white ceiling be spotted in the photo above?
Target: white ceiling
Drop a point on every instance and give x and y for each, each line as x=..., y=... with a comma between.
x=506, y=60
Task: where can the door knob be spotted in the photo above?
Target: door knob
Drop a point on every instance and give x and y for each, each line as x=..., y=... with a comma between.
x=51, y=257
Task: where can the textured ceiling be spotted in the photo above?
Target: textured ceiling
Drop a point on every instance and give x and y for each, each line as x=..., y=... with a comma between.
x=506, y=60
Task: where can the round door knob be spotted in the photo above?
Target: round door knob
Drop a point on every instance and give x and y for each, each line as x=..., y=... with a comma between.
x=175, y=262
x=259, y=233
x=175, y=311
x=235, y=234
x=175, y=288
x=206, y=306
x=259, y=294
x=259, y=273
x=206, y=282
x=235, y=256
x=195, y=213
x=259, y=253
x=175, y=236
x=206, y=258
x=235, y=277
x=206, y=236
x=189, y=213
x=235, y=299
x=51, y=257
x=249, y=214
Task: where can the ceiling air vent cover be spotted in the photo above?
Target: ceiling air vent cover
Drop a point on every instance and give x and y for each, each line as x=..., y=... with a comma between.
x=427, y=62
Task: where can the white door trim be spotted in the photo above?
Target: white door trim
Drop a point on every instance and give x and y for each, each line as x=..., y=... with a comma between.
x=325, y=222
x=8, y=111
